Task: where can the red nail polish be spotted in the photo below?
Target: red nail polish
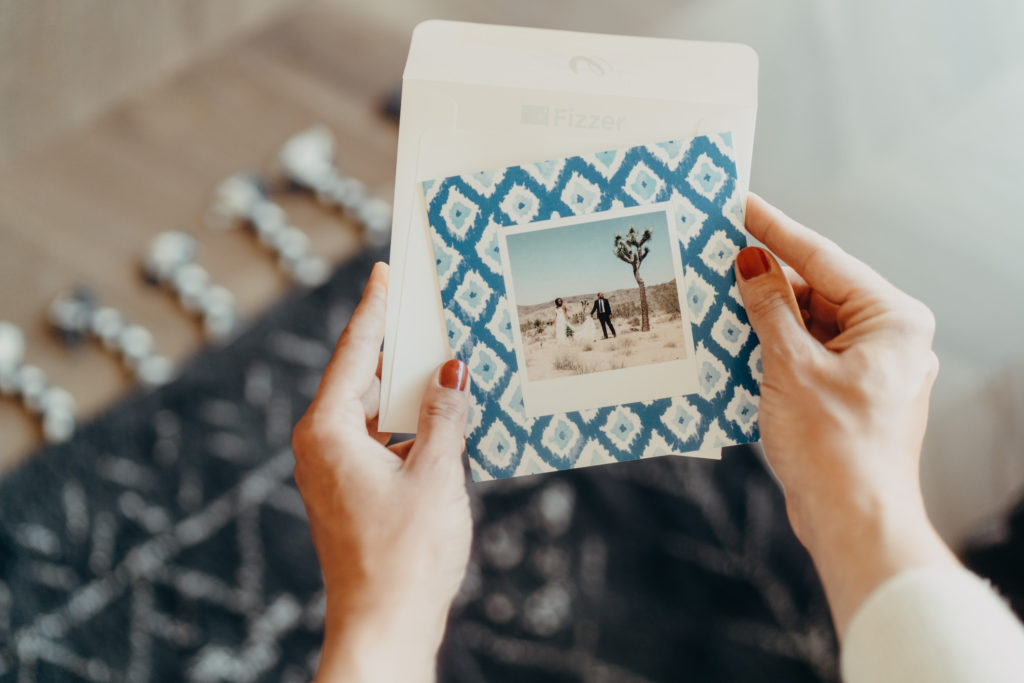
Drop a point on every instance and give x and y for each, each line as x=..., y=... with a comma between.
x=753, y=262
x=454, y=374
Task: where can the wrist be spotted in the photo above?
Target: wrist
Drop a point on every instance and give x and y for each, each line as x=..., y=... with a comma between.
x=376, y=646
x=859, y=541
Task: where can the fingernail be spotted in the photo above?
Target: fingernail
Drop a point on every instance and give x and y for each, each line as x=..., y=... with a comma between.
x=454, y=374
x=753, y=262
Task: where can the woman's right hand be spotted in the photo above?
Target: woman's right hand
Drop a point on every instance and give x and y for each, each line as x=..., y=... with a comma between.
x=848, y=368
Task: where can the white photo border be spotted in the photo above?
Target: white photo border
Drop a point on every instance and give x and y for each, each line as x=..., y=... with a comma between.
x=611, y=387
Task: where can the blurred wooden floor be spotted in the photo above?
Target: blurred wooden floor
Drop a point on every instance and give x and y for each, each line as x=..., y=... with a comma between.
x=83, y=211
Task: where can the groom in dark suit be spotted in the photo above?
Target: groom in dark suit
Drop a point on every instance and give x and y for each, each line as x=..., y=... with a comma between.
x=604, y=314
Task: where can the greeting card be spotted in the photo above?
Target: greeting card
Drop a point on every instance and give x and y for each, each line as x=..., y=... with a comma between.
x=593, y=299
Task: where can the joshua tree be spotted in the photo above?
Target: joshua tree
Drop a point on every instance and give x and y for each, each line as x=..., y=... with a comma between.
x=630, y=249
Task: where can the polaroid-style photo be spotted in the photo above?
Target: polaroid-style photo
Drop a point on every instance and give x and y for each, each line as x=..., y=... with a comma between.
x=598, y=306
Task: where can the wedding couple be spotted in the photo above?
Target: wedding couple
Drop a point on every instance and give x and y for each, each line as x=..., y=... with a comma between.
x=601, y=307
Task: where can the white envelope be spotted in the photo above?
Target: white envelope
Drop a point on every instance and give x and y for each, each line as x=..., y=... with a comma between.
x=480, y=97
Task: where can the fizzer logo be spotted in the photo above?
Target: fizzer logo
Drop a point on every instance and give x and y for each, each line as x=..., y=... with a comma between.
x=566, y=117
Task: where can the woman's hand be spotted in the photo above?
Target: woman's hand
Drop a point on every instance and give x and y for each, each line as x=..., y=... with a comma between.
x=848, y=368
x=391, y=525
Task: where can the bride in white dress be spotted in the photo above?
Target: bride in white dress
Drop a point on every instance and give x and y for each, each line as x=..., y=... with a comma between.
x=588, y=332
x=561, y=322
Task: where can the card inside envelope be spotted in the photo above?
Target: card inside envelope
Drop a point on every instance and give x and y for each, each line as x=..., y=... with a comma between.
x=549, y=392
x=472, y=98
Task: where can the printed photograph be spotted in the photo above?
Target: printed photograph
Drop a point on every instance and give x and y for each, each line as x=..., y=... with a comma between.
x=597, y=296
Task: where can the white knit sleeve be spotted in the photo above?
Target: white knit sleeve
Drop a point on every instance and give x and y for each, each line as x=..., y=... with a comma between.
x=934, y=625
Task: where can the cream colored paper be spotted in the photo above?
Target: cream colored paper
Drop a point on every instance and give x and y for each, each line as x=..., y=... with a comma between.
x=481, y=97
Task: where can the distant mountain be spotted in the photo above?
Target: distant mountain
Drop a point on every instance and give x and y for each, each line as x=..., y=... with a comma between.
x=625, y=302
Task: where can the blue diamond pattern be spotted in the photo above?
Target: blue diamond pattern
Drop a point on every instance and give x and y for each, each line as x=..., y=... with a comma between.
x=709, y=377
x=701, y=178
x=457, y=214
x=709, y=176
x=606, y=158
x=643, y=185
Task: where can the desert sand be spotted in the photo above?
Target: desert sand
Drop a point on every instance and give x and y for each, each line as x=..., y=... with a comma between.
x=545, y=359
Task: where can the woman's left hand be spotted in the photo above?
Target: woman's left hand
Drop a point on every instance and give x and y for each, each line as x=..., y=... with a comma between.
x=391, y=524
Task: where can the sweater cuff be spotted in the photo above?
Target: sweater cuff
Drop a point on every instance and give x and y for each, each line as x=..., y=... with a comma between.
x=940, y=624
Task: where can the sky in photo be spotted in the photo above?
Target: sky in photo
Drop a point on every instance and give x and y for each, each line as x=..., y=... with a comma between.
x=580, y=259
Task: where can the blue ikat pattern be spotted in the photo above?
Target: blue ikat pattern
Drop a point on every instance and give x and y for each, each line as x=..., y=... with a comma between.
x=465, y=214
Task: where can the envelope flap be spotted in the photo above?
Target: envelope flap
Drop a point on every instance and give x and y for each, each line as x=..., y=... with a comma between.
x=518, y=57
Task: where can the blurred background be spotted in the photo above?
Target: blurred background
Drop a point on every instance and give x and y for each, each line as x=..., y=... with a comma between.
x=168, y=523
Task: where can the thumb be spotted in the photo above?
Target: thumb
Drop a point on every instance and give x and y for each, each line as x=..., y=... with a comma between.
x=440, y=435
x=769, y=300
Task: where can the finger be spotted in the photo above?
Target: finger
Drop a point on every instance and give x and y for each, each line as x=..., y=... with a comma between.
x=402, y=448
x=823, y=311
x=440, y=434
x=817, y=312
x=801, y=290
x=350, y=373
x=371, y=397
x=371, y=400
x=371, y=407
x=818, y=308
x=373, y=430
x=826, y=268
x=822, y=332
x=770, y=303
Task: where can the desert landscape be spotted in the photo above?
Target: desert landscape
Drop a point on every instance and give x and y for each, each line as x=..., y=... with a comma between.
x=545, y=359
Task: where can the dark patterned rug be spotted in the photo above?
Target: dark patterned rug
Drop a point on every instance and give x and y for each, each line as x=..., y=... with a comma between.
x=997, y=553
x=168, y=542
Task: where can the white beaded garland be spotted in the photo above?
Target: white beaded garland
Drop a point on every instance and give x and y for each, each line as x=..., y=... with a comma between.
x=191, y=282
x=268, y=222
x=9, y=381
x=31, y=383
x=154, y=370
x=56, y=399
x=54, y=406
x=218, y=324
x=309, y=271
x=12, y=346
x=308, y=161
x=136, y=343
x=167, y=253
x=58, y=426
x=76, y=314
x=107, y=324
